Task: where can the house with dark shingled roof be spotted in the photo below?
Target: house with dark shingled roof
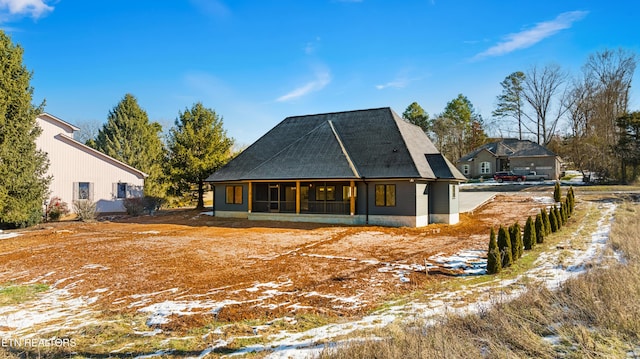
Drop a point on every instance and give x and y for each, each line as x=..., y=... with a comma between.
x=354, y=167
x=510, y=154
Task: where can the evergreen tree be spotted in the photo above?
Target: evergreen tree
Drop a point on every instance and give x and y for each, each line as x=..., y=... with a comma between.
x=494, y=262
x=557, y=194
x=553, y=220
x=540, y=229
x=515, y=236
x=198, y=146
x=128, y=136
x=546, y=222
x=504, y=244
x=23, y=181
x=556, y=211
x=416, y=115
x=529, y=238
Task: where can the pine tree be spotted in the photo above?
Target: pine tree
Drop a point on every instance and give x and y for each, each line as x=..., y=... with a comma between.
x=515, y=236
x=504, y=244
x=540, y=229
x=557, y=194
x=128, y=136
x=494, y=262
x=198, y=146
x=23, y=180
x=529, y=238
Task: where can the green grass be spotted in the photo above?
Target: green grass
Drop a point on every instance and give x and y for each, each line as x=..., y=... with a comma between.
x=11, y=293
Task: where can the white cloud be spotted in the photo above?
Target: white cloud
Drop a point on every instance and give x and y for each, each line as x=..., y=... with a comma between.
x=322, y=79
x=32, y=8
x=402, y=80
x=528, y=38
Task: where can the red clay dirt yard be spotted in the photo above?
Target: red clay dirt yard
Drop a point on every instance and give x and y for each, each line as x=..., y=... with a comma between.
x=181, y=269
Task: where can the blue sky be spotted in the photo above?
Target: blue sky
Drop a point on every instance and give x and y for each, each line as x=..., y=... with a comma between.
x=257, y=62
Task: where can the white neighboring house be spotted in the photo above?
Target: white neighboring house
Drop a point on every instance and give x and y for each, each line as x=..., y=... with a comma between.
x=82, y=173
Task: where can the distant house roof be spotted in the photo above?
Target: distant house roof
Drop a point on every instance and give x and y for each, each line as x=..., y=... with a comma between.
x=374, y=143
x=510, y=147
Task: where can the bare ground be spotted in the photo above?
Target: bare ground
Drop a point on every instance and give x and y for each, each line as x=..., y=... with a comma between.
x=238, y=269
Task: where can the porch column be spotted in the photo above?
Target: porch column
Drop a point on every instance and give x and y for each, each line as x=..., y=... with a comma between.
x=352, y=190
x=297, y=197
x=250, y=197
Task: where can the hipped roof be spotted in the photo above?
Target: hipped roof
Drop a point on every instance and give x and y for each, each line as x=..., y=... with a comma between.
x=510, y=147
x=363, y=144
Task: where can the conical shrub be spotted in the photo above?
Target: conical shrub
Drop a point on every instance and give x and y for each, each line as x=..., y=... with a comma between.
x=494, y=261
x=553, y=220
x=540, y=230
x=529, y=237
x=504, y=244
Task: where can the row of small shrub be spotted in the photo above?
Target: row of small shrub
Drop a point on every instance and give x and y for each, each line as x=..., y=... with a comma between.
x=511, y=243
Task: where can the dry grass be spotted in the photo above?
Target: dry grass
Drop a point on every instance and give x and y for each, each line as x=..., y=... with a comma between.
x=596, y=315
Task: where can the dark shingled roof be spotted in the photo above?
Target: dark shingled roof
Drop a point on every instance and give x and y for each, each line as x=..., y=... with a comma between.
x=373, y=143
x=510, y=147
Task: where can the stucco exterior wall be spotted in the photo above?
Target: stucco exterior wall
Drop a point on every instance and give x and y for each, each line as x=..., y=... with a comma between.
x=70, y=165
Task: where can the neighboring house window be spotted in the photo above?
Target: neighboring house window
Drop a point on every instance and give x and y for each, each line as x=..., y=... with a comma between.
x=465, y=170
x=234, y=195
x=385, y=195
x=326, y=193
x=485, y=168
x=82, y=191
x=122, y=190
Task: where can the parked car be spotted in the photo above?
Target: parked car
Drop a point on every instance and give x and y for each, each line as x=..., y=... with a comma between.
x=508, y=176
x=533, y=176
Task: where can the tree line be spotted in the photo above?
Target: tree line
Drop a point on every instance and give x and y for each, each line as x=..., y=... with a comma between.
x=585, y=118
x=196, y=145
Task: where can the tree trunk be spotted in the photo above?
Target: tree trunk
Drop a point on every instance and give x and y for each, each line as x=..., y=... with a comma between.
x=200, y=195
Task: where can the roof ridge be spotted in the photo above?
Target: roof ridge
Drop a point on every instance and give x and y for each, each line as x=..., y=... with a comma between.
x=339, y=112
x=344, y=150
x=404, y=140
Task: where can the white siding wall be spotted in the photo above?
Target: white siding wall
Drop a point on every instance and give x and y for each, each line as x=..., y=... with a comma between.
x=69, y=164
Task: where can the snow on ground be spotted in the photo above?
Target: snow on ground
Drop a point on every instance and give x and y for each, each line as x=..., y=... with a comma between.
x=58, y=309
x=548, y=271
x=4, y=235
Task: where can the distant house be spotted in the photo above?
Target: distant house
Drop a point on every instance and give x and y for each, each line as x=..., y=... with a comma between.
x=520, y=156
x=81, y=173
x=355, y=167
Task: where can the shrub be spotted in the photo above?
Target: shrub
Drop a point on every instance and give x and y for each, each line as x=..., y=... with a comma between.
x=529, y=238
x=504, y=244
x=494, y=262
x=546, y=223
x=557, y=194
x=559, y=221
x=134, y=206
x=85, y=210
x=540, y=230
x=515, y=235
x=152, y=204
x=56, y=209
x=553, y=220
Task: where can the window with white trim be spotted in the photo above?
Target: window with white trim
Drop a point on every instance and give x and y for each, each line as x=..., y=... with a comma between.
x=465, y=170
x=485, y=168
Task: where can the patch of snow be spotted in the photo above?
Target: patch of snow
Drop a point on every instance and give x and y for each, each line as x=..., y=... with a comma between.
x=95, y=266
x=8, y=235
x=148, y=232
